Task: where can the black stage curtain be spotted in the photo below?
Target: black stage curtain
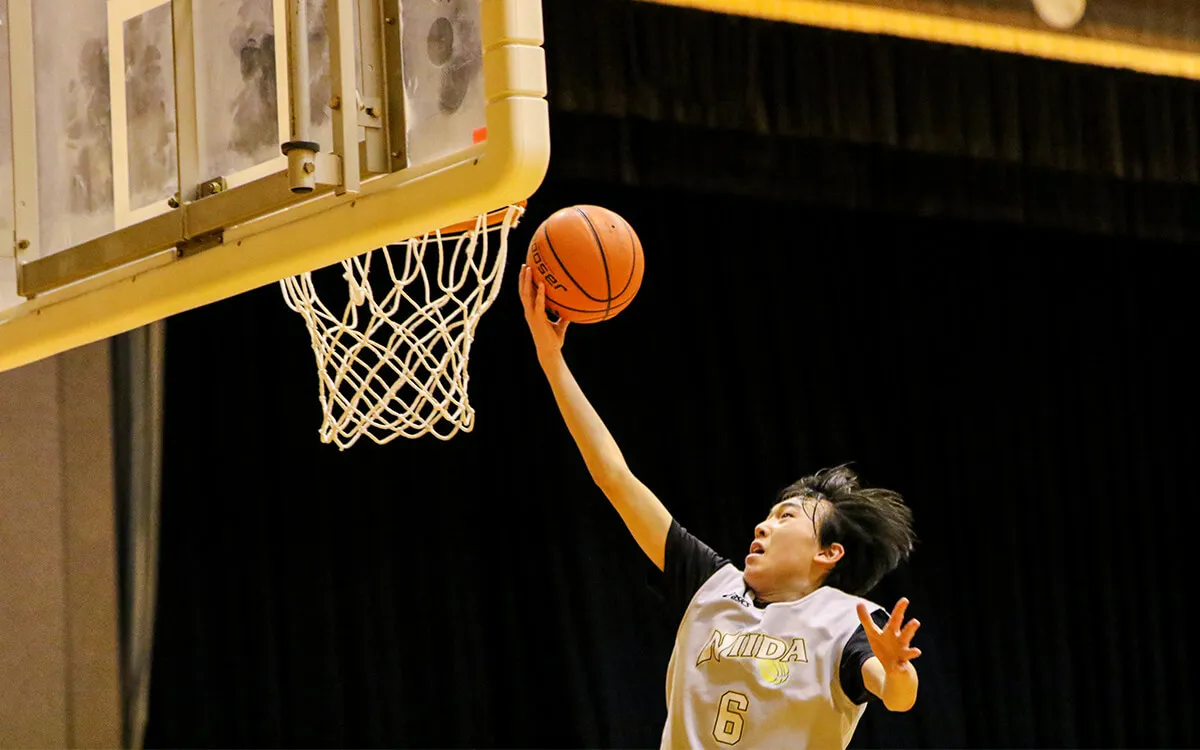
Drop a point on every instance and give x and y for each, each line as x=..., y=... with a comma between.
x=1020, y=376
x=869, y=122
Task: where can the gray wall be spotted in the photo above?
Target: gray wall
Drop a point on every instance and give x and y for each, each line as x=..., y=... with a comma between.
x=59, y=674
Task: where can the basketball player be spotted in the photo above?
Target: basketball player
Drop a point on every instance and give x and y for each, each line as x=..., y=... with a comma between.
x=783, y=653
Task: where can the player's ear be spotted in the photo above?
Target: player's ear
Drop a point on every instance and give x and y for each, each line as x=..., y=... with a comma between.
x=831, y=554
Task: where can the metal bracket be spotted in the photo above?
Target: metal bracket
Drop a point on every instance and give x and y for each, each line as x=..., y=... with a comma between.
x=375, y=159
x=212, y=187
x=328, y=168
x=27, y=230
x=370, y=113
x=342, y=79
x=199, y=244
x=393, y=66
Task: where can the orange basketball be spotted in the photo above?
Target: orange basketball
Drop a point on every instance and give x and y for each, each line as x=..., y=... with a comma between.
x=590, y=260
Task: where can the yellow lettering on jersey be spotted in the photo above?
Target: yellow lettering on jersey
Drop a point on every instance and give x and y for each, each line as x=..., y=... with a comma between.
x=771, y=648
x=751, y=646
x=719, y=646
x=797, y=652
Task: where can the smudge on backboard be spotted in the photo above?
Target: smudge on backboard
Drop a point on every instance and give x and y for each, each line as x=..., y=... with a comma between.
x=74, y=122
x=150, y=107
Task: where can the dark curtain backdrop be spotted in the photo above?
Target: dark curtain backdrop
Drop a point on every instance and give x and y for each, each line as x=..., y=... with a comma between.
x=864, y=255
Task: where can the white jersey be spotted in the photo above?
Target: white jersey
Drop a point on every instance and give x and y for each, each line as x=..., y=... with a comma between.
x=765, y=677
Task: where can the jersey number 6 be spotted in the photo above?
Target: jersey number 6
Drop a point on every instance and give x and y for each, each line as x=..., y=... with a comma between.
x=731, y=718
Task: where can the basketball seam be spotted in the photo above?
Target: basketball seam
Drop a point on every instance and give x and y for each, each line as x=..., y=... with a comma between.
x=603, y=259
x=556, y=303
x=567, y=271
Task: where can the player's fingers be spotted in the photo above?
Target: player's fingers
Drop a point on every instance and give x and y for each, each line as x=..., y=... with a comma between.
x=865, y=618
x=523, y=287
x=897, y=615
x=540, y=305
x=909, y=654
x=561, y=328
x=531, y=286
x=535, y=311
x=909, y=631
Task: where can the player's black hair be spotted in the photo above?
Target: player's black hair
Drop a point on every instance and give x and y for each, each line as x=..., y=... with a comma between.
x=873, y=525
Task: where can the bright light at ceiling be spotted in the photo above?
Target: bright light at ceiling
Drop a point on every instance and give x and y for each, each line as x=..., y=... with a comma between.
x=1061, y=14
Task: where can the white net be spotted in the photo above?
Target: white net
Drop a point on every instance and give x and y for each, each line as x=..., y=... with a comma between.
x=393, y=363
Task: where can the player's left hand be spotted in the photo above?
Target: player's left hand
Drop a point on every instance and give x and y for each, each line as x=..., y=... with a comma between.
x=891, y=643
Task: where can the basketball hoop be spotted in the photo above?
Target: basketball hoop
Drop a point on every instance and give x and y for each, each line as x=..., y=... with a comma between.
x=394, y=362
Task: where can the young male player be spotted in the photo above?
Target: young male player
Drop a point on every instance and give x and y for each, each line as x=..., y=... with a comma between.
x=784, y=653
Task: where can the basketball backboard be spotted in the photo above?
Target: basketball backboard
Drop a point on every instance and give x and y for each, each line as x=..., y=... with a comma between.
x=159, y=155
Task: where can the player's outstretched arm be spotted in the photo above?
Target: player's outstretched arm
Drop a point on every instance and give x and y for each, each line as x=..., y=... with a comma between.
x=889, y=674
x=644, y=515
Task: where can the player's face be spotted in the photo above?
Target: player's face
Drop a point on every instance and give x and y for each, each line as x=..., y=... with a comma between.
x=781, y=556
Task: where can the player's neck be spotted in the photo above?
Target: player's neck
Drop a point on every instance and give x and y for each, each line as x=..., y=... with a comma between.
x=790, y=593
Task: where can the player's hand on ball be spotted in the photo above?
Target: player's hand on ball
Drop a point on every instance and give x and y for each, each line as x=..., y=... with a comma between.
x=891, y=643
x=547, y=336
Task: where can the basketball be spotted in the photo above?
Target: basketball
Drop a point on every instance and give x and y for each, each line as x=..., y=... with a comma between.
x=590, y=260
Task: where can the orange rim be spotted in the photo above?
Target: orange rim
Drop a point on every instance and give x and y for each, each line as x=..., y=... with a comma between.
x=493, y=218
